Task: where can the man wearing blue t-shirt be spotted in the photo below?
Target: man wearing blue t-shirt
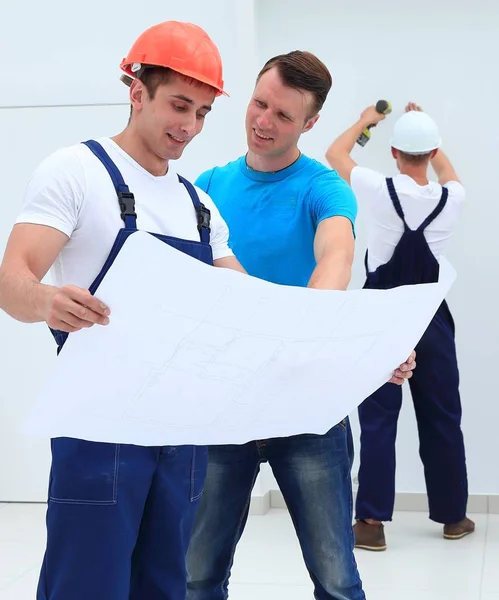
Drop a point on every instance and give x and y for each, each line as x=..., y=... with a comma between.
x=291, y=222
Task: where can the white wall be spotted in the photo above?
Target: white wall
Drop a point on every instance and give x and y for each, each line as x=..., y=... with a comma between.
x=60, y=86
x=442, y=55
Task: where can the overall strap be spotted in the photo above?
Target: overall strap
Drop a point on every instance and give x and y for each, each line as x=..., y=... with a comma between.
x=395, y=200
x=125, y=197
x=203, y=214
x=438, y=209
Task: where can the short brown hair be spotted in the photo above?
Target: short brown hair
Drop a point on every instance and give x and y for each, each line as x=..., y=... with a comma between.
x=415, y=159
x=302, y=71
x=153, y=77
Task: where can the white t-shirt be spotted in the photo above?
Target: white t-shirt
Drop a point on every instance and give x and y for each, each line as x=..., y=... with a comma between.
x=417, y=202
x=72, y=191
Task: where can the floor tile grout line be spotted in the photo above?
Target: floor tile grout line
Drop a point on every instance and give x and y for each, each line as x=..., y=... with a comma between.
x=16, y=579
x=486, y=537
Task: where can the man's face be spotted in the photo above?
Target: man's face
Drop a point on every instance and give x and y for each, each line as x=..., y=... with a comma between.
x=276, y=116
x=170, y=120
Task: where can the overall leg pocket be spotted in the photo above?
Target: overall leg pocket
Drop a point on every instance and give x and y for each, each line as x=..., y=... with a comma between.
x=84, y=472
x=198, y=471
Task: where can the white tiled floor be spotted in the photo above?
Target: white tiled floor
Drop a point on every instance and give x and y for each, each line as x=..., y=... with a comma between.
x=418, y=564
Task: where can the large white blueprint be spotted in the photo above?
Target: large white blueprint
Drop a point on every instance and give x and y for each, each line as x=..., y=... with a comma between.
x=196, y=354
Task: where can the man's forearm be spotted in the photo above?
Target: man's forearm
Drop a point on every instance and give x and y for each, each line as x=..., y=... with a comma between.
x=443, y=168
x=333, y=272
x=346, y=142
x=440, y=162
x=22, y=296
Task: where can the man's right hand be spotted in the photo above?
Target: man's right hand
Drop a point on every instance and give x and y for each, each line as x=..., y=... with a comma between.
x=71, y=308
x=413, y=106
x=370, y=116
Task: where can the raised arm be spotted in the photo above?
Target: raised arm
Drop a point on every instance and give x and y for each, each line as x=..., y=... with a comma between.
x=440, y=162
x=338, y=153
x=443, y=168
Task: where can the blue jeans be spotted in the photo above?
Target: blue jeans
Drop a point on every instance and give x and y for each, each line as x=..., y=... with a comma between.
x=313, y=473
x=119, y=520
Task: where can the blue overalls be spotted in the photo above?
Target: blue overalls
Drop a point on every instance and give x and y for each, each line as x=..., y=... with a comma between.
x=435, y=393
x=119, y=516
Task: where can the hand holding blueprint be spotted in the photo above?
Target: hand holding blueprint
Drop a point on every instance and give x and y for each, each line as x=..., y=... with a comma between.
x=201, y=355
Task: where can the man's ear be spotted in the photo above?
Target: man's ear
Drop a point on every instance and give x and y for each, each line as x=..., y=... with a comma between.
x=310, y=123
x=433, y=153
x=137, y=94
x=394, y=153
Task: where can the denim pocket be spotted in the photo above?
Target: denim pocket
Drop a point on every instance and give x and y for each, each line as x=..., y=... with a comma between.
x=84, y=472
x=198, y=471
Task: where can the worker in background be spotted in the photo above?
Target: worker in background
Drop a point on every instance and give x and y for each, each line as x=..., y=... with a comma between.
x=291, y=222
x=412, y=221
x=119, y=517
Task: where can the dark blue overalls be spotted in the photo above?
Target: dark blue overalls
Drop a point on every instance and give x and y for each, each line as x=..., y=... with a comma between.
x=119, y=516
x=435, y=393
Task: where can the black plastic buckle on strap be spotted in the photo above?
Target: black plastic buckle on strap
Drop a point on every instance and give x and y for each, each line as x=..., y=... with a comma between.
x=127, y=204
x=204, y=217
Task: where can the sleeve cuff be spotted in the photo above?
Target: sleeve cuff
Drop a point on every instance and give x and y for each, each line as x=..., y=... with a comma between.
x=223, y=252
x=37, y=220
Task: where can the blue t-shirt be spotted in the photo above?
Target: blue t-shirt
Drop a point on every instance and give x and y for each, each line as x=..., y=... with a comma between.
x=273, y=217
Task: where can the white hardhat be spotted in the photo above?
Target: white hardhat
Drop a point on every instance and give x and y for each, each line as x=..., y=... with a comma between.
x=415, y=133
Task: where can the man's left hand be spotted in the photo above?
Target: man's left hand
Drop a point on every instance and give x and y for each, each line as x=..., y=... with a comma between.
x=405, y=370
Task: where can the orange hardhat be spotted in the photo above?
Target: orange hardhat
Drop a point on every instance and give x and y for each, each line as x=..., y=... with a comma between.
x=182, y=47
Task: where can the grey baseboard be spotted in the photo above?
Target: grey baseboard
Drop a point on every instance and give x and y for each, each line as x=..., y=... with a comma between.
x=404, y=501
x=260, y=505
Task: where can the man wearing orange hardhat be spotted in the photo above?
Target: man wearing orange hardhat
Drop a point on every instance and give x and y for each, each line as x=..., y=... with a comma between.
x=412, y=222
x=119, y=516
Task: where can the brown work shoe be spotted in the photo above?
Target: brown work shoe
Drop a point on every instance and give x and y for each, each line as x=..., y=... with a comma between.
x=456, y=531
x=369, y=537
